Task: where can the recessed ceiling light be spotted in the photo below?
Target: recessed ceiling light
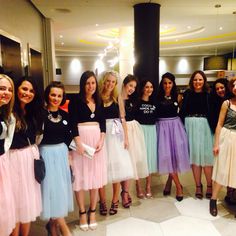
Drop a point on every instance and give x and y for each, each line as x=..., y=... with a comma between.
x=62, y=43
x=189, y=27
x=61, y=36
x=220, y=28
x=96, y=25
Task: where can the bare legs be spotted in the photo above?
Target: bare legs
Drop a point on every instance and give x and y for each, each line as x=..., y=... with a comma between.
x=197, y=174
x=167, y=189
x=22, y=229
x=126, y=199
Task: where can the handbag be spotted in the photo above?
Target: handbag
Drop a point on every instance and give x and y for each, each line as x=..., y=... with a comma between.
x=39, y=167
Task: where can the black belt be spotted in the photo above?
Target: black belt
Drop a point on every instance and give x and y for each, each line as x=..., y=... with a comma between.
x=196, y=115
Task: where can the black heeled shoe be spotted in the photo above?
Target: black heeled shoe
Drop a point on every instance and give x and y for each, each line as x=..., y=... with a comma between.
x=199, y=195
x=209, y=194
x=102, y=208
x=47, y=227
x=180, y=198
x=213, y=207
x=124, y=204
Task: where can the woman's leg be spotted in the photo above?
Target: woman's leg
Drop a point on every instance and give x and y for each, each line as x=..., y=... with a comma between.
x=208, y=175
x=51, y=227
x=63, y=227
x=197, y=174
x=25, y=229
x=213, y=201
x=16, y=230
x=167, y=189
x=92, y=208
x=126, y=199
x=115, y=199
x=80, y=199
x=102, y=201
x=148, y=187
x=139, y=190
x=179, y=188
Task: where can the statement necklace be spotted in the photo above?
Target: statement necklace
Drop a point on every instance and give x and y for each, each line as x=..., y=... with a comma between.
x=54, y=117
x=167, y=97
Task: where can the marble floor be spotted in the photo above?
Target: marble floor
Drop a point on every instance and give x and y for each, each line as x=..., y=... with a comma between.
x=162, y=216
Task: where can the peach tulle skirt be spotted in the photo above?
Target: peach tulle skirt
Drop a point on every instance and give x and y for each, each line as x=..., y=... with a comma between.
x=7, y=210
x=26, y=190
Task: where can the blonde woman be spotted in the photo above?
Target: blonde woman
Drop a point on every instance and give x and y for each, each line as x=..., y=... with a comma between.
x=119, y=162
x=7, y=211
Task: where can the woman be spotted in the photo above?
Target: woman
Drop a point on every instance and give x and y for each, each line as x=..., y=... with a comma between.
x=146, y=116
x=119, y=161
x=57, y=196
x=7, y=210
x=172, y=145
x=219, y=94
x=23, y=151
x=137, y=148
x=88, y=127
x=195, y=114
x=224, y=148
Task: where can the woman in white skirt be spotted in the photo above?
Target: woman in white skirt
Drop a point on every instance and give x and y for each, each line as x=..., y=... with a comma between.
x=57, y=195
x=23, y=151
x=118, y=158
x=137, y=147
x=224, y=171
x=7, y=123
x=88, y=127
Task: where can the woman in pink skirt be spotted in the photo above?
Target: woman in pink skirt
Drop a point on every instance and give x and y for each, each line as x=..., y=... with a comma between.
x=23, y=151
x=7, y=211
x=88, y=127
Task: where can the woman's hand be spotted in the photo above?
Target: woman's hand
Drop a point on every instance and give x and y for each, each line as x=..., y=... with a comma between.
x=216, y=150
x=79, y=146
x=126, y=143
x=100, y=142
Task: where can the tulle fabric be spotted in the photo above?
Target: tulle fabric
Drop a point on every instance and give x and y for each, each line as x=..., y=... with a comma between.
x=26, y=190
x=119, y=161
x=224, y=170
x=89, y=173
x=57, y=195
x=173, y=154
x=150, y=137
x=137, y=149
x=7, y=209
x=200, y=141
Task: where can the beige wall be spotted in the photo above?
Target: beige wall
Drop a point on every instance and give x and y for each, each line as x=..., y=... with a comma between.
x=21, y=21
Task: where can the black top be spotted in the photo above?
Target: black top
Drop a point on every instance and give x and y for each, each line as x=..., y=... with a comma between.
x=112, y=111
x=130, y=110
x=195, y=104
x=146, y=113
x=55, y=133
x=79, y=112
x=20, y=138
x=2, y=151
x=167, y=108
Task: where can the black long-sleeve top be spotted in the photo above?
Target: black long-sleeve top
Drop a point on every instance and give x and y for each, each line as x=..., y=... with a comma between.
x=146, y=112
x=195, y=104
x=20, y=138
x=2, y=151
x=55, y=133
x=130, y=110
x=167, y=108
x=79, y=112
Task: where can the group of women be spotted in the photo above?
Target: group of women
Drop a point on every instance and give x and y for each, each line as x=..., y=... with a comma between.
x=133, y=134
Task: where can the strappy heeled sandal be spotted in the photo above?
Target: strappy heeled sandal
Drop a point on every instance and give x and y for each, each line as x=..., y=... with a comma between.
x=114, y=208
x=83, y=227
x=92, y=225
x=199, y=195
x=209, y=194
x=213, y=207
x=124, y=204
x=102, y=208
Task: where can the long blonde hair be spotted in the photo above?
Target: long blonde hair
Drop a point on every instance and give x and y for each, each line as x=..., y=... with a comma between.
x=6, y=109
x=114, y=94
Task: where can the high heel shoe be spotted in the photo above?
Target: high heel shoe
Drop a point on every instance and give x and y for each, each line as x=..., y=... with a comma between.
x=102, y=208
x=92, y=225
x=47, y=227
x=209, y=193
x=199, y=194
x=179, y=198
x=124, y=203
x=213, y=207
x=114, y=208
x=83, y=227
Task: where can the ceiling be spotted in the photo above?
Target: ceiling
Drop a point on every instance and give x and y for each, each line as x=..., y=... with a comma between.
x=187, y=27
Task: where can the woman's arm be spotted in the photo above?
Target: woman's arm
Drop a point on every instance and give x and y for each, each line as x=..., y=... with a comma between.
x=219, y=126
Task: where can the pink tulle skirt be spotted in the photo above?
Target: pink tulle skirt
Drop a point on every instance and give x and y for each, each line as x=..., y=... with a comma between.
x=7, y=210
x=89, y=173
x=26, y=190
